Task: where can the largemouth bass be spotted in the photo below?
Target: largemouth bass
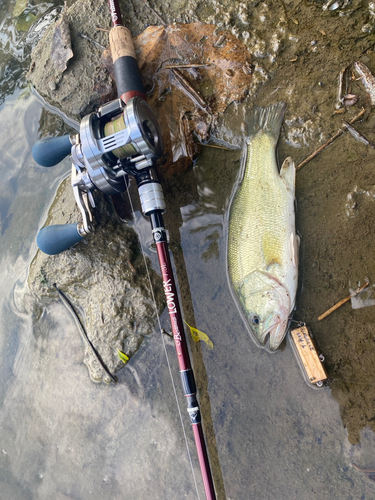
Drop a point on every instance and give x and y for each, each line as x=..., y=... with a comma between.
x=262, y=245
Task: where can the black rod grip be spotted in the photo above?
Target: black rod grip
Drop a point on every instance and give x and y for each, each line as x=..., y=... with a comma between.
x=128, y=78
x=127, y=74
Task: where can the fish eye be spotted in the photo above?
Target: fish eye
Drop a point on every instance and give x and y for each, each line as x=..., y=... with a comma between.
x=255, y=320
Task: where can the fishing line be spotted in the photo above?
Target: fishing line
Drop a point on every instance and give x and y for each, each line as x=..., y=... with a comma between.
x=165, y=349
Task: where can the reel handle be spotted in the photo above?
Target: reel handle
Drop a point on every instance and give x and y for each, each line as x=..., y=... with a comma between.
x=53, y=240
x=50, y=151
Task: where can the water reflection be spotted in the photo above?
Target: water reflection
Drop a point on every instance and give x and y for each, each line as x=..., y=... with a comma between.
x=214, y=187
x=18, y=35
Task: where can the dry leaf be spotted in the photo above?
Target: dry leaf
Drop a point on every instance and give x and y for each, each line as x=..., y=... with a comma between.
x=61, y=48
x=226, y=77
x=187, y=100
x=124, y=358
x=198, y=335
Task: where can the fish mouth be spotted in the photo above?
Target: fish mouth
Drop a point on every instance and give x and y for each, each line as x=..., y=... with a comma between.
x=276, y=333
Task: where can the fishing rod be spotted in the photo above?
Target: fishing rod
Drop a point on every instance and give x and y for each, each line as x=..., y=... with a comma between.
x=124, y=138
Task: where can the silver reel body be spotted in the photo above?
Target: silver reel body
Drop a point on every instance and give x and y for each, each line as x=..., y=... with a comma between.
x=102, y=160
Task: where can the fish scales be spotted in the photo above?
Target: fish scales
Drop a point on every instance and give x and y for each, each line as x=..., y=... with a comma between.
x=262, y=211
x=262, y=244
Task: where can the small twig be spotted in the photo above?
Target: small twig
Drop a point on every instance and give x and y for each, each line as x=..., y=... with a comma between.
x=363, y=52
x=342, y=301
x=91, y=40
x=338, y=133
x=131, y=266
x=214, y=146
x=340, y=92
x=102, y=29
x=190, y=91
x=356, y=134
x=177, y=66
x=367, y=471
x=156, y=14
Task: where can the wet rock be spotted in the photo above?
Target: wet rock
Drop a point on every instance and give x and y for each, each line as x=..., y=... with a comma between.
x=61, y=47
x=105, y=279
x=80, y=85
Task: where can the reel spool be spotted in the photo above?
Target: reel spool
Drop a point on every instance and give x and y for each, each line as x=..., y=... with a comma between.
x=118, y=140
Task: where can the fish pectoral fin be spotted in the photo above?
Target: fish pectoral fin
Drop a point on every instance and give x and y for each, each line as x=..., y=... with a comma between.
x=271, y=248
x=288, y=173
x=294, y=244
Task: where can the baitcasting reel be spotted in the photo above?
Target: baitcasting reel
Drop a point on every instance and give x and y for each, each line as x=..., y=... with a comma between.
x=118, y=140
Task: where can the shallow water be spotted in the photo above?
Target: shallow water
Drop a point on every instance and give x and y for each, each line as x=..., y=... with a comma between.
x=269, y=434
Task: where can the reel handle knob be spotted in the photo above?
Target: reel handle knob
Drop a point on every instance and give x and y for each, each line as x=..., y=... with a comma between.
x=53, y=240
x=50, y=151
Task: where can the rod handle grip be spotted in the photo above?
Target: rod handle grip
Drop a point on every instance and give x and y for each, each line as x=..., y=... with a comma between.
x=55, y=239
x=49, y=151
x=127, y=74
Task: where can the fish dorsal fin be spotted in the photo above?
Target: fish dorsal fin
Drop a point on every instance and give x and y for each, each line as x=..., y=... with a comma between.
x=288, y=173
x=271, y=248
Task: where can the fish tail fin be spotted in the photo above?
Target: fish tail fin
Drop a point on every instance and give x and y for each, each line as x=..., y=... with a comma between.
x=266, y=120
